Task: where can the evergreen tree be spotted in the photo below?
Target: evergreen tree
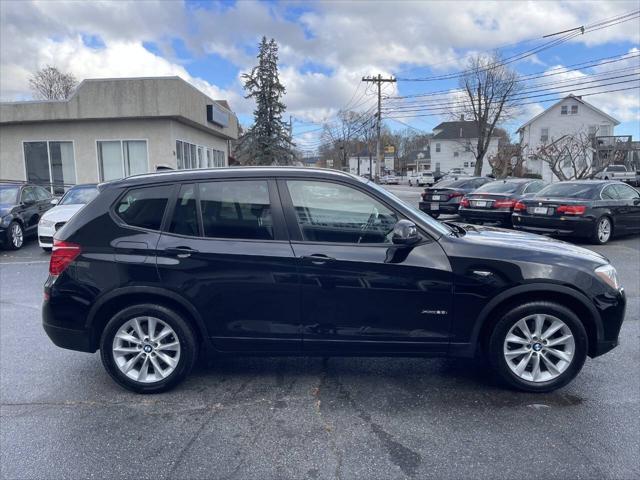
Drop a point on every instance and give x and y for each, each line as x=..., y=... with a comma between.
x=267, y=142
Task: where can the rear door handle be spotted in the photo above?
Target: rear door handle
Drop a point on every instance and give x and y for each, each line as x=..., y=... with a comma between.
x=181, y=252
x=317, y=259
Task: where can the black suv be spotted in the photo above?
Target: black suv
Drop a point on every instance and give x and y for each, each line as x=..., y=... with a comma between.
x=21, y=207
x=301, y=261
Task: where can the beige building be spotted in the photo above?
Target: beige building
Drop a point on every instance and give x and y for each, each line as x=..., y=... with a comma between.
x=112, y=128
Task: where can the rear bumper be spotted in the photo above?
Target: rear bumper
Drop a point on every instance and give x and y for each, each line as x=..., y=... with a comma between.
x=448, y=208
x=570, y=226
x=65, y=326
x=503, y=216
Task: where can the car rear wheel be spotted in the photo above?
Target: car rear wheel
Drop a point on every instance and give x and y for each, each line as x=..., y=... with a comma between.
x=148, y=348
x=602, y=231
x=15, y=236
x=538, y=347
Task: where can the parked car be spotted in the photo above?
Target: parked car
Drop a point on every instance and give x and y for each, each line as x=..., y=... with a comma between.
x=457, y=172
x=73, y=200
x=258, y=261
x=445, y=196
x=618, y=172
x=594, y=209
x=21, y=206
x=390, y=180
x=494, y=201
x=421, y=179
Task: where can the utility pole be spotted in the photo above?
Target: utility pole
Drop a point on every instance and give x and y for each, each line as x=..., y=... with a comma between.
x=291, y=138
x=378, y=80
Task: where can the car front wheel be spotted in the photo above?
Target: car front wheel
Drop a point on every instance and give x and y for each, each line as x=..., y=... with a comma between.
x=15, y=236
x=148, y=348
x=538, y=347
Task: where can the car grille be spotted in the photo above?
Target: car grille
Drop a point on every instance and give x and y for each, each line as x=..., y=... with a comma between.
x=46, y=240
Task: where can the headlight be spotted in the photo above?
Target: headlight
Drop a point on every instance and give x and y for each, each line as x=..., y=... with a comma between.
x=6, y=220
x=608, y=275
x=46, y=223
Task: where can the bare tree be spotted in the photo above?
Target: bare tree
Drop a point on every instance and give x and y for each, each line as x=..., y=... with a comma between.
x=508, y=161
x=50, y=83
x=489, y=87
x=340, y=137
x=574, y=156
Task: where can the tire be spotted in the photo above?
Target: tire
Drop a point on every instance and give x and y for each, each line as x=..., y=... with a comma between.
x=160, y=374
x=544, y=379
x=47, y=249
x=599, y=237
x=15, y=236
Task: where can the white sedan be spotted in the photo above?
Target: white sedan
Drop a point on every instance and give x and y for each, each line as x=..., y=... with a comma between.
x=73, y=200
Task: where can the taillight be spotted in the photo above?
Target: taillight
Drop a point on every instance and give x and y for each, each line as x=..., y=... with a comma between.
x=508, y=203
x=62, y=255
x=464, y=202
x=572, y=209
x=456, y=194
x=519, y=206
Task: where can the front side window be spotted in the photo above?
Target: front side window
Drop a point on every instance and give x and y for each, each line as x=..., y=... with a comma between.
x=185, y=213
x=236, y=209
x=625, y=192
x=330, y=212
x=144, y=207
x=28, y=195
x=42, y=193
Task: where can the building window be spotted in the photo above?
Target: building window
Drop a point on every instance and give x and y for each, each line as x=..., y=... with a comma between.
x=604, y=130
x=198, y=156
x=544, y=134
x=50, y=163
x=437, y=147
x=466, y=164
x=592, y=130
x=472, y=164
x=121, y=158
x=574, y=109
x=564, y=109
x=455, y=154
x=467, y=147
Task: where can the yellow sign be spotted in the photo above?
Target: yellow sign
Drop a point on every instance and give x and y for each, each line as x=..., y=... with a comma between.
x=390, y=149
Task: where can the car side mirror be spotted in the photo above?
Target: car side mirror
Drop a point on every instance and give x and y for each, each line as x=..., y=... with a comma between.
x=636, y=201
x=405, y=233
x=55, y=200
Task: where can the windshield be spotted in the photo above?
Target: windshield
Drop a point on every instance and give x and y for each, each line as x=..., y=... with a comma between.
x=79, y=195
x=499, y=187
x=569, y=190
x=435, y=224
x=9, y=194
x=616, y=168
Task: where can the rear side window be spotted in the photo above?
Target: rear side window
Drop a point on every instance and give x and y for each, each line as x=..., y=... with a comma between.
x=236, y=209
x=144, y=207
x=609, y=193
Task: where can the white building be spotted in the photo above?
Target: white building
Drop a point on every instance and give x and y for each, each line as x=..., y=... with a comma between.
x=113, y=128
x=569, y=116
x=453, y=146
x=367, y=166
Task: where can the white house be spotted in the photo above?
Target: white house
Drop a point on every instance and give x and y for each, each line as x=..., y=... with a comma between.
x=453, y=146
x=569, y=116
x=368, y=164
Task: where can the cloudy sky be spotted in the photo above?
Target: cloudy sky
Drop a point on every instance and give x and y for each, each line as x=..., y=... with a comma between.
x=325, y=49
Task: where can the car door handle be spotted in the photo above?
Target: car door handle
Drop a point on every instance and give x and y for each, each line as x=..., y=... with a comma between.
x=317, y=259
x=181, y=252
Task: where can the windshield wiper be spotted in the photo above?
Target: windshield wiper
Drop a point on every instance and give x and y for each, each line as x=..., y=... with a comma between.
x=457, y=229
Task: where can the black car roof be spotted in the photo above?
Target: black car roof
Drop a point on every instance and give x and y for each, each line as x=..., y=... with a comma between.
x=229, y=172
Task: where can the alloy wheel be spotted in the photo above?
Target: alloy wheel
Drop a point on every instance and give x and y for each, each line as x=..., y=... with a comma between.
x=539, y=348
x=604, y=230
x=17, y=236
x=146, y=349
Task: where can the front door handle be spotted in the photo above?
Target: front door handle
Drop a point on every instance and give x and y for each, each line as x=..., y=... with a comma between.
x=181, y=252
x=317, y=259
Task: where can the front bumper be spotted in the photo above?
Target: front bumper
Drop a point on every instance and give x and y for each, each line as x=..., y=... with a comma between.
x=569, y=226
x=45, y=235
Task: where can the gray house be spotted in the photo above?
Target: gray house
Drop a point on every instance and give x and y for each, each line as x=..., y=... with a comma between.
x=113, y=128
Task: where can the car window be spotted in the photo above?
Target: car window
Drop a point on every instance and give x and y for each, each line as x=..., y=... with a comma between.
x=609, y=193
x=616, y=168
x=28, y=195
x=42, y=193
x=331, y=212
x=570, y=190
x=144, y=207
x=500, y=186
x=625, y=192
x=534, y=187
x=185, y=214
x=79, y=195
x=8, y=194
x=236, y=209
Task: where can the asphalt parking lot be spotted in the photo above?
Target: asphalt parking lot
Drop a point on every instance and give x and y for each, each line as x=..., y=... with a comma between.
x=61, y=416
